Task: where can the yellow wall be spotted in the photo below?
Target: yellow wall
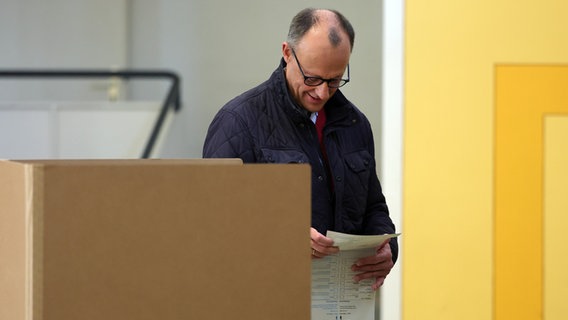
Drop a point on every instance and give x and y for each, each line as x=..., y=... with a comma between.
x=453, y=50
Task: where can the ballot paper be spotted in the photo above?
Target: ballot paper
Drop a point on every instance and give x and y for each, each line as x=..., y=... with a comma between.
x=335, y=296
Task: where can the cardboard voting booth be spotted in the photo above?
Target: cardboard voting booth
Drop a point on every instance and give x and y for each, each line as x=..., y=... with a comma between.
x=154, y=239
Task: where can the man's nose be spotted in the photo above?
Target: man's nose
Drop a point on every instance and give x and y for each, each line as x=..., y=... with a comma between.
x=323, y=91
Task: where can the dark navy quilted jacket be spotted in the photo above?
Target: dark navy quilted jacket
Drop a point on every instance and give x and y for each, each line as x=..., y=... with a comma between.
x=265, y=125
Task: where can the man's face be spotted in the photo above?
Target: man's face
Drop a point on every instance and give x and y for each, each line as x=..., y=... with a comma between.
x=317, y=58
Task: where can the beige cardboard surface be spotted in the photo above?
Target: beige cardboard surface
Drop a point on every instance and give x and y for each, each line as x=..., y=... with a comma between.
x=161, y=239
x=12, y=241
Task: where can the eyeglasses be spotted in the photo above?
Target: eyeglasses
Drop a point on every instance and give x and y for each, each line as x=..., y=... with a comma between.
x=316, y=81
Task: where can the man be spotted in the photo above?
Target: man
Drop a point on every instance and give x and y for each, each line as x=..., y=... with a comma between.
x=300, y=116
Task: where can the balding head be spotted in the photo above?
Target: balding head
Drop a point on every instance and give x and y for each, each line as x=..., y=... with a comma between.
x=337, y=27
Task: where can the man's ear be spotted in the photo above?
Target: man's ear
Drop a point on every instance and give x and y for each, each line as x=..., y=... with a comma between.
x=286, y=52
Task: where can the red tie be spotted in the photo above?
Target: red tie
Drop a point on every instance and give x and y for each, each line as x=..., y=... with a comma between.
x=320, y=123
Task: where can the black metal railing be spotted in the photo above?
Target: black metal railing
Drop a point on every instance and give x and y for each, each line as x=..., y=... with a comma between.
x=173, y=97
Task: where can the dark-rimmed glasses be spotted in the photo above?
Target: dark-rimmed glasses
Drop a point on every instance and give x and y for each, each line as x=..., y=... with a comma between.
x=316, y=81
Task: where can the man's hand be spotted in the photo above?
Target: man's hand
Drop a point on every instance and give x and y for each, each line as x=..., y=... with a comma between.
x=321, y=245
x=375, y=267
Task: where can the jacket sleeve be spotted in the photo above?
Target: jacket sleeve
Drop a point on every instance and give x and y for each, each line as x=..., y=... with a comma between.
x=228, y=137
x=377, y=218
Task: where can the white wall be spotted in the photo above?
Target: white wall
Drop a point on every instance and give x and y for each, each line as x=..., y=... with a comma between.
x=75, y=130
x=392, y=143
x=60, y=34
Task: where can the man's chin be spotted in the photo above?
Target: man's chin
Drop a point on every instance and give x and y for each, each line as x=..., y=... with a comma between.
x=313, y=107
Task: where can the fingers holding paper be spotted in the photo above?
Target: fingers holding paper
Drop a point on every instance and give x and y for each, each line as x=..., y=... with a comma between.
x=377, y=266
x=321, y=245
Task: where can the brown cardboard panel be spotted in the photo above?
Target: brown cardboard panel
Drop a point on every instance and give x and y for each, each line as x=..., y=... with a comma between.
x=143, y=239
x=127, y=162
x=12, y=241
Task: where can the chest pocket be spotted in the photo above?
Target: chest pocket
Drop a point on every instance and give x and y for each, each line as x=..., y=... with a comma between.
x=283, y=156
x=356, y=186
x=358, y=162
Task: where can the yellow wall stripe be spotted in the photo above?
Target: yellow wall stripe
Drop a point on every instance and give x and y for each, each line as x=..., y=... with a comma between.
x=524, y=94
x=555, y=217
